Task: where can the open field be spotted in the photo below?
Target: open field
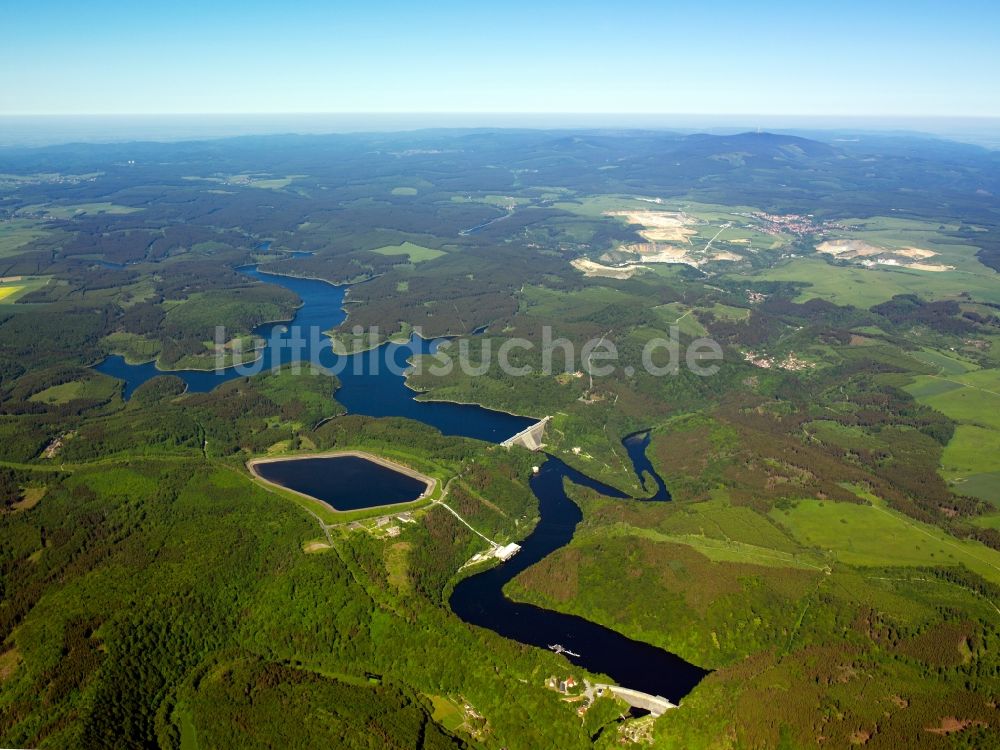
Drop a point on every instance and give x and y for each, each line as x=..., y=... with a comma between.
x=13, y=291
x=971, y=460
x=948, y=363
x=685, y=318
x=991, y=521
x=404, y=191
x=417, y=253
x=60, y=394
x=864, y=287
x=923, y=260
x=95, y=386
x=16, y=233
x=550, y=304
x=276, y=183
x=9, y=291
x=715, y=548
x=74, y=210
x=874, y=536
x=447, y=713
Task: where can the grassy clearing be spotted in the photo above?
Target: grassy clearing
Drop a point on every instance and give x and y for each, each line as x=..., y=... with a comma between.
x=875, y=536
x=715, y=528
x=82, y=209
x=447, y=712
x=947, y=364
x=60, y=394
x=134, y=348
x=16, y=233
x=973, y=450
x=397, y=565
x=727, y=312
x=543, y=303
x=9, y=662
x=985, y=485
x=272, y=184
x=843, y=436
x=417, y=253
x=31, y=497
x=185, y=722
x=404, y=191
x=864, y=287
x=715, y=549
x=971, y=460
x=11, y=292
x=991, y=521
x=685, y=318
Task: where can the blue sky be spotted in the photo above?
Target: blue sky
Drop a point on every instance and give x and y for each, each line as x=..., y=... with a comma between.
x=845, y=58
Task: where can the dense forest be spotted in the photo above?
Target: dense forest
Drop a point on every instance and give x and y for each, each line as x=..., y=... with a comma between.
x=832, y=549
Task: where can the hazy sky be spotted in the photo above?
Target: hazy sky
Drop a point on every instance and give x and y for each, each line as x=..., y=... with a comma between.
x=192, y=56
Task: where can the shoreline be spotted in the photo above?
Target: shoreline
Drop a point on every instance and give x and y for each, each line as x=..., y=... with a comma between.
x=156, y=361
x=348, y=284
x=420, y=395
x=406, y=382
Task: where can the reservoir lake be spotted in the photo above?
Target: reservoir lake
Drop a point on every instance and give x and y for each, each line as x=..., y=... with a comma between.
x=372, y=384
x=346, y=482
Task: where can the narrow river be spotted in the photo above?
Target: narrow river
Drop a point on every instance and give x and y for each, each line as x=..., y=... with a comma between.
x=480, y=600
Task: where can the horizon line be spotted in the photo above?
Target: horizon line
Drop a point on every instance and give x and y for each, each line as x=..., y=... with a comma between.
x=529, y=113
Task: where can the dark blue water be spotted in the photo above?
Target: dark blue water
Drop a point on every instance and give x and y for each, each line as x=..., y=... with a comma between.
x=479, y=600
x=372, y=382
x=636, y=445
x=343, y=482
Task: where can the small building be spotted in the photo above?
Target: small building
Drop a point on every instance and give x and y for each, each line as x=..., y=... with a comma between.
x=566, y=685
x=506, y=552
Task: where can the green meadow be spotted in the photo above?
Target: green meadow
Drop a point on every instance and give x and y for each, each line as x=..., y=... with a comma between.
x=864, y=287
x=874, y=536
x=971, y=460
x=76, y=210
x=16, y=233
x=12, y=291
x=417, y=253
x=94, y=386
